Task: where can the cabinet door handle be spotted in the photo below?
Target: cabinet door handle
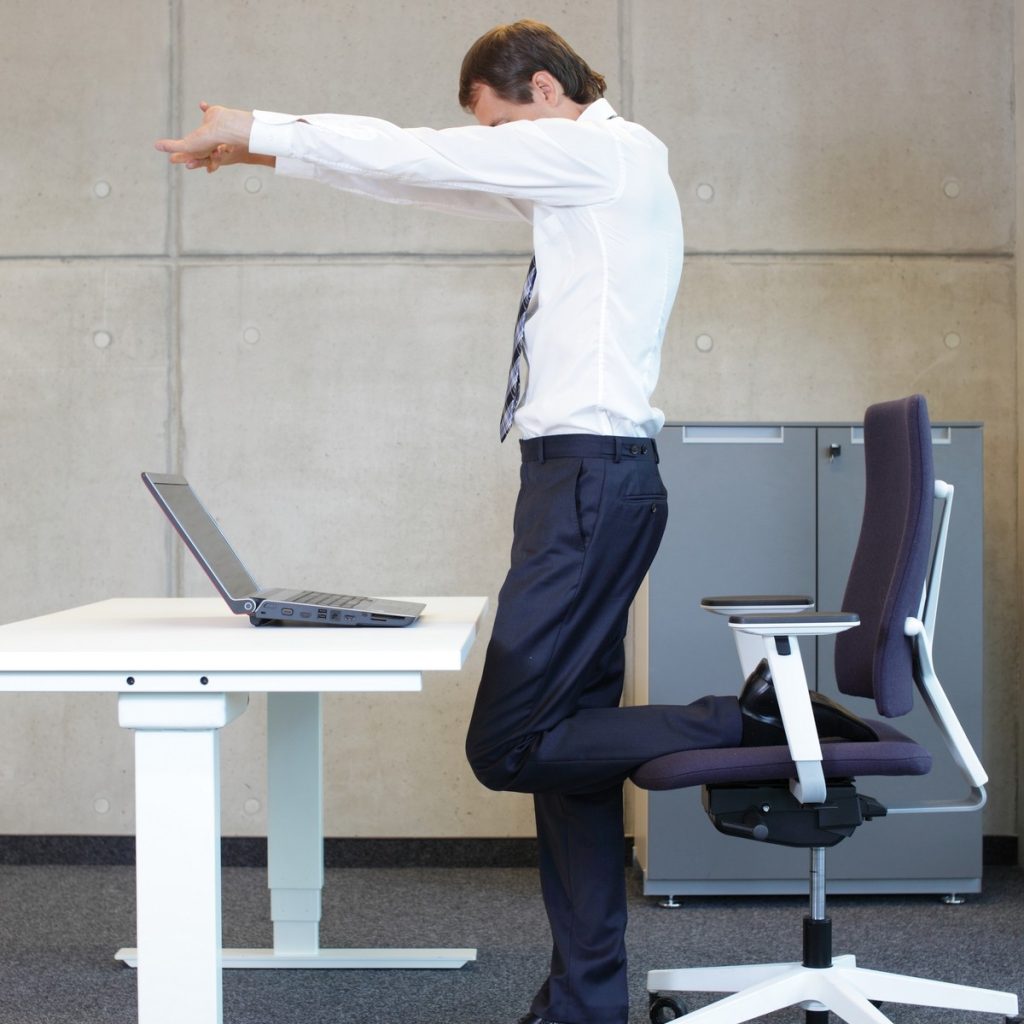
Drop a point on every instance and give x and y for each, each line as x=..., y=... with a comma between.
x=834, y=451
x=755, y=433
x=940, y=435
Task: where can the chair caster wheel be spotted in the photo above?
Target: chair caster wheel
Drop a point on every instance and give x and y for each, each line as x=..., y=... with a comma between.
x=665, y=1008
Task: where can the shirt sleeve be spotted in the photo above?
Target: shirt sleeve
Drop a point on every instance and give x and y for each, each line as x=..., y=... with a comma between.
x=478, y=205
x=478, y=170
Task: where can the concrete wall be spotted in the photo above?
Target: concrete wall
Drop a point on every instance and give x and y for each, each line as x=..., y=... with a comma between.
x=1018, y=36
x=848, y=176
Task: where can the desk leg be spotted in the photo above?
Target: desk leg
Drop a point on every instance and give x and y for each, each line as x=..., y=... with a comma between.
x=295, y=820
x=177, y=797
x=295, y=845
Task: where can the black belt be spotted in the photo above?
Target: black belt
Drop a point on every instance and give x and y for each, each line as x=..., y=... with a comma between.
x=588, y=446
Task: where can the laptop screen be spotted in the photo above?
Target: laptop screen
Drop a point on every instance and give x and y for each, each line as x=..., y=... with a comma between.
x=201, y=533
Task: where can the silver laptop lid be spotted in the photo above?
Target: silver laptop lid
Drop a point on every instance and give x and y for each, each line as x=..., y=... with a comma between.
x=200, y=532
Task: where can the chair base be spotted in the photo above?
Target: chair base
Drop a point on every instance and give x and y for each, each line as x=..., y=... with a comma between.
x=844, y=988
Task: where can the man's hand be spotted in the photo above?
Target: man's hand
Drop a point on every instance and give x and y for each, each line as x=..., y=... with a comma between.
x=221, y=139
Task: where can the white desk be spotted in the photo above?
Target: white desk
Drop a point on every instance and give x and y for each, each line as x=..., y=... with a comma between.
x=184, y=669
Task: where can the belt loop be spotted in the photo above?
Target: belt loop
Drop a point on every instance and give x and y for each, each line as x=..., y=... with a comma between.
x=654, y=448
x=618, y=450
x=540, y=449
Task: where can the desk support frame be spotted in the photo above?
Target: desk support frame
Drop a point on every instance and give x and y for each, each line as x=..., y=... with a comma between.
x=295, y=821
x=295, y=860
x=177, y=808
x=295, y=838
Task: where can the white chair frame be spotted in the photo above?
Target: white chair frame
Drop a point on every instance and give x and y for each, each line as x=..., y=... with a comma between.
x=843, y=988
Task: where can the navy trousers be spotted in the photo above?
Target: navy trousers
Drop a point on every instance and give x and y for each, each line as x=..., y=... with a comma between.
x=589, y=518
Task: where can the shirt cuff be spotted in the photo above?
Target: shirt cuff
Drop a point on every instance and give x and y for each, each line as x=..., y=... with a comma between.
x=270, y=132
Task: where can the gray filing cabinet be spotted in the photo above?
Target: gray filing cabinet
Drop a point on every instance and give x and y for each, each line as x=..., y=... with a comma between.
x=758, y=508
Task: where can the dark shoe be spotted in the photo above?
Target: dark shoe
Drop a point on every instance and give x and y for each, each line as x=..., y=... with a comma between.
x=762, y=720
x=532, y=1018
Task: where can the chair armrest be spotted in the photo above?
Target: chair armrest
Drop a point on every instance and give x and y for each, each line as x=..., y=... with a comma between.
x=776, y=638
x=756, y=639
x=749, y=647
x=800, y=624
x=746, y=604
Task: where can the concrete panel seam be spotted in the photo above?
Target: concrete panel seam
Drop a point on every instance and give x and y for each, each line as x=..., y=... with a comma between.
x=764, y=256
x=175, y=421
x=481, y=258
x=626, y=58
x=269, y=259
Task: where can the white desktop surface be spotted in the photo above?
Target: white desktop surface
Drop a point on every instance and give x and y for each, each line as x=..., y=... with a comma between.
x=155, y=640
x=183, y=669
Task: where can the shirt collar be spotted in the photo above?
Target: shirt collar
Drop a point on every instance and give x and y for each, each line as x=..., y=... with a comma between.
x=599, y=110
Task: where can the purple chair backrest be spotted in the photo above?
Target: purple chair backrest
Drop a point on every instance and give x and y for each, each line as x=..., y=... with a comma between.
x=893, y=554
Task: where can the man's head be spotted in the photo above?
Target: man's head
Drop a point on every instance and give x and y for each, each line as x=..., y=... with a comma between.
x=525, y=65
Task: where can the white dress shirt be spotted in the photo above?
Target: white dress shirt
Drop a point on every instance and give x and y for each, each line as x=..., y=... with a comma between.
x=607, y=235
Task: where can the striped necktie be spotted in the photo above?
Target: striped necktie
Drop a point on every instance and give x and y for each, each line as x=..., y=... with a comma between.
x=512, y=392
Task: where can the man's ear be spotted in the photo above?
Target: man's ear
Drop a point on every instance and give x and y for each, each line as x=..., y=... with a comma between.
x=548, y=86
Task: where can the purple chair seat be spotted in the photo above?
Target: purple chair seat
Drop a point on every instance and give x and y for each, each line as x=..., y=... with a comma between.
x=892, y=754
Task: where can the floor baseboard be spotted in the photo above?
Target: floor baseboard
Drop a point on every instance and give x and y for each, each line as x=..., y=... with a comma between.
x=245, y=851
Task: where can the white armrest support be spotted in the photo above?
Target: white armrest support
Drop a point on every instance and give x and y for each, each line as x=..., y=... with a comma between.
x=756, y=639
x=778, y=636
x=791, y=692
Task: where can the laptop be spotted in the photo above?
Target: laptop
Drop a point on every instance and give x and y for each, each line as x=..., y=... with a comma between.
x=277, y=606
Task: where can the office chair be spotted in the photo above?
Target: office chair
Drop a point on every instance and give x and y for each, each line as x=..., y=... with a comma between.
x=804, y=794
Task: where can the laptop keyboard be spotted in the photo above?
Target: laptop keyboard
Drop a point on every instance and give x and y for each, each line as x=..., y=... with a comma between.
x=329, y=600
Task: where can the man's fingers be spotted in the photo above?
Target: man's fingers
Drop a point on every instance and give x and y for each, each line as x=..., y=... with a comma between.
x=187, y=145
x=203, y=147
x=190, y=160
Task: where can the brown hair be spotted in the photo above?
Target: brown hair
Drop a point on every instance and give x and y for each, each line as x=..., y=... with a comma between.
x=508, y=56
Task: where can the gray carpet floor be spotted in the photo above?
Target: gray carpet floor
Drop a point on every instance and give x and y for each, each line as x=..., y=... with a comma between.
x=59, y=928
